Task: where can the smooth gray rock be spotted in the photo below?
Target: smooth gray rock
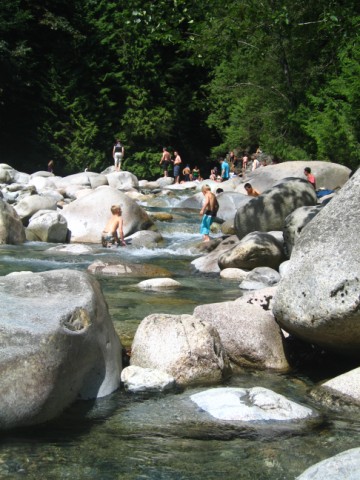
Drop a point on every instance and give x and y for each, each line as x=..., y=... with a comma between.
x=57, y=344
x=122, y=180
x=159, y=284
x=343, y=466
x=229, y=202
x=47, y=226
x=26, y=207
x=137, y=379
x=269, y=210
x=144, y=239
x=88, y=215
x=12, y=230
x=294, y=224
x=257, y=249
x=343, y=390
x=328, y=175
x=181, y=345
x=318, y=297
x=248, y=332
x=266, y=275
x=255, y=404
x=210, y=263
x=233, y=274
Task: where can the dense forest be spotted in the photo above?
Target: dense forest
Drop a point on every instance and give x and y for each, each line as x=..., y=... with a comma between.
x=200, y=77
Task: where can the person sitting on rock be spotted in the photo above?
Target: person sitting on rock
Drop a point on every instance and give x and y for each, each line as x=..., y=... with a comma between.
x=113, y=232
x=310, y=177
x=251, y=191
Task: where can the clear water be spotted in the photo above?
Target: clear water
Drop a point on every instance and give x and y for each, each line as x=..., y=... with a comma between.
x=127, y=436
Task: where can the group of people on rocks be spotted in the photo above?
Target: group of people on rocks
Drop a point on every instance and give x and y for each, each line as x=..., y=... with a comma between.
x=188, y=174
x=113, y=232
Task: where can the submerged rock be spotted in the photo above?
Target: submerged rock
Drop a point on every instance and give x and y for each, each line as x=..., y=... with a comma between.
x=344, y=466
x=159, y=284
x=256, y=404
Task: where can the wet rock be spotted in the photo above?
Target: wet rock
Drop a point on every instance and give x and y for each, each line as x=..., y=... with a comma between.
x=144, y=239
x=159, y=284
x=344, y=466
x=341, y=391
x=255, y=404
x=139, y=270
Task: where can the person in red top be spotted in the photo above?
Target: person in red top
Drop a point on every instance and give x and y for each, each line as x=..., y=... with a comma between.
x=310, y=177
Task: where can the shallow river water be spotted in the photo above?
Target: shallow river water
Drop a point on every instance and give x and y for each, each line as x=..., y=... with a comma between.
x=127, y=436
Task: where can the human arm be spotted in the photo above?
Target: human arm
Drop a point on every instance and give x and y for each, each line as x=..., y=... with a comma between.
x=205, y=205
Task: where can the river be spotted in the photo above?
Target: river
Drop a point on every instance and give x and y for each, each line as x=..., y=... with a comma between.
x=126, y=436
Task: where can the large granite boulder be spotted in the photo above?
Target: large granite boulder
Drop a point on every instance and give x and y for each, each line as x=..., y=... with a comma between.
x=294, y=224
x=269, y=210
x=122, y=180
x=181, y=345
x=257, y=249
x=47, y=226
x=31, y=204
x=229, y=203
x=11, y=228
x=87, y=216
x=343, y=466
x=210, y=263
x=340, y=392
x=318, y=296
x=248, y=332
x=328, y=175
x=57, y=344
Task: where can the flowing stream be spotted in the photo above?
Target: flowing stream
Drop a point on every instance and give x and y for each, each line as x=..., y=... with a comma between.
x=127, y=436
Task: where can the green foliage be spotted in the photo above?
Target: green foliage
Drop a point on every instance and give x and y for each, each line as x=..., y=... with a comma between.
x=204, y=77
x=144, y=165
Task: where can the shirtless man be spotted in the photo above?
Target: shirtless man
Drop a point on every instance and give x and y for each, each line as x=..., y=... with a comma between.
x=251, y=191
x=209, y=211
x=165, y=161
x=113, y=232
x=177, y=164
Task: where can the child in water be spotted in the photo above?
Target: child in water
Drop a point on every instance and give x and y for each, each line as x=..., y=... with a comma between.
x=113, y=232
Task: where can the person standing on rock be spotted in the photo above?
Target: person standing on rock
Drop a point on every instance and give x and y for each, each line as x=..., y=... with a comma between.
x=177, y=164
x=113, y=232
x=225, y=170
x=209, y=211
x=165, y=161
x=310, y=177
x=118, y=155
